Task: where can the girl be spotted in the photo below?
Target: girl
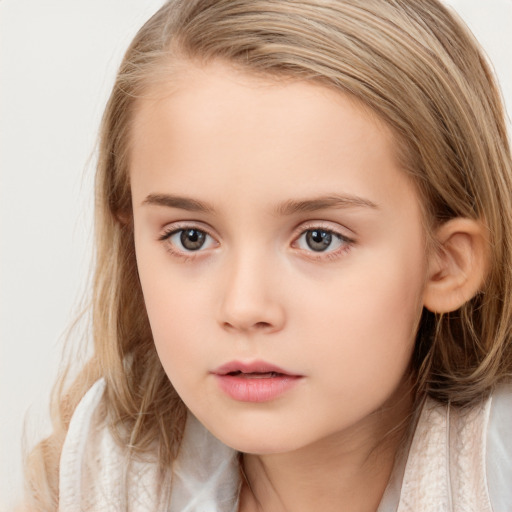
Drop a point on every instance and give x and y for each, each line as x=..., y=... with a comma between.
x=304, y=271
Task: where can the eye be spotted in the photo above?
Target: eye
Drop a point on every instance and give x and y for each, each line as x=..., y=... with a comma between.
x=189, y=239
x=322, y=240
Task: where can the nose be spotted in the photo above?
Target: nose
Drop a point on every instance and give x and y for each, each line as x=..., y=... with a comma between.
x=251, y=296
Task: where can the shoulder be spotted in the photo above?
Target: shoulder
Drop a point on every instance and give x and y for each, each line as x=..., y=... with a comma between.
x=499, y=448
x=461, y=459
x=480, y=451
x=72, y=457
x=95, y=472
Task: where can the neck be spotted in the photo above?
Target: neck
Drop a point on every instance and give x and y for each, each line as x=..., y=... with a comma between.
x=344, y=472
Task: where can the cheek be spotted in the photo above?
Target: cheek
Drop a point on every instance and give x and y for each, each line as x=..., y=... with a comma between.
x=177, y=322
x=175, y=308
x=176, y=313
x=368, y=320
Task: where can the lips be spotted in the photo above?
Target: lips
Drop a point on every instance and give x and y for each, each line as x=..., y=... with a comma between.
x=254, y=368
x=256, y=381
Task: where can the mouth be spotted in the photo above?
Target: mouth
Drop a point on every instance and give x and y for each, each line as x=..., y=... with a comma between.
x=254, y=382
x=255, y=375
x=254, y=370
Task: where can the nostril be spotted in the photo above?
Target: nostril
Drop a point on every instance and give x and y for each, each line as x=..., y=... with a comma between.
x=255, y=326
x=262, y=325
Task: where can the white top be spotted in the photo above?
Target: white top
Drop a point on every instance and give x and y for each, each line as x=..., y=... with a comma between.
x=457, y=462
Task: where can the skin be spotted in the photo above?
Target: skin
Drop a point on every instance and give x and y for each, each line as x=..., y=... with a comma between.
x=344, y=319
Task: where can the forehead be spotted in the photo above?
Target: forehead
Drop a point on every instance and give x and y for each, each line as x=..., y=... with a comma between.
x=217, y=126
x=209, y=89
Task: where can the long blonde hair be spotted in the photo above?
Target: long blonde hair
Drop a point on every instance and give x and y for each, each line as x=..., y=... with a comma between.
x=414, y=64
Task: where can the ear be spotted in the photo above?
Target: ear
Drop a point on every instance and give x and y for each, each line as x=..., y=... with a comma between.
x=457, y=266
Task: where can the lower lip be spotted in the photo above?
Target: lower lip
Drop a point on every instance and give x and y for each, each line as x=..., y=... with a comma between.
x=256, y=389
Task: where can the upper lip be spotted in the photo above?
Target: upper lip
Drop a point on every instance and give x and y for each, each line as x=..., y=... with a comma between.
x=249, y=367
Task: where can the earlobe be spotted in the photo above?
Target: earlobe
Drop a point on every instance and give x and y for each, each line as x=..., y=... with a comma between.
x=457, y=266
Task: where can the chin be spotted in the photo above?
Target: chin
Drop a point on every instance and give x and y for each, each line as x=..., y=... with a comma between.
x=257, y=447
x=259, y=442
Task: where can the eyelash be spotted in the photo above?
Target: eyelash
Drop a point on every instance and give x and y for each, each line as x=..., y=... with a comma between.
x=318, y=255
x=169, y=232
x=347, y=243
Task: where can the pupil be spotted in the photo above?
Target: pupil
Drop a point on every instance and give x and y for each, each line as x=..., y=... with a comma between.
x=318, y=240
x=192, y=239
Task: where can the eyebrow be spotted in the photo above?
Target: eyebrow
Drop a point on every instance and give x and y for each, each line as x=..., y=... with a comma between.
x=183, y=203
x=321, y=203
x=285, y=208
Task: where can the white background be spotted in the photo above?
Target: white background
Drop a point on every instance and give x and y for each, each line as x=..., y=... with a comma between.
x=58, y=60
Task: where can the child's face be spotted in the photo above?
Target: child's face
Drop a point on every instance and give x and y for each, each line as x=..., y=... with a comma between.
x=275, y=234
